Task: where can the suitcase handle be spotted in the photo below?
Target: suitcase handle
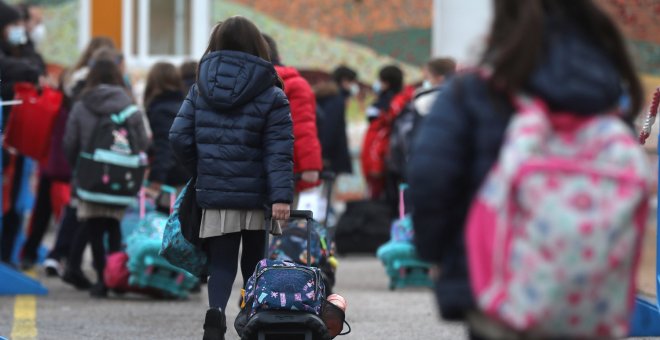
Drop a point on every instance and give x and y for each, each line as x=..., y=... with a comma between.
x=295, y=214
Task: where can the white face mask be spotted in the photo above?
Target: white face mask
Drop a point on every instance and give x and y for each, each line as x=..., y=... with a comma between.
x=377, y=86
x=427, y=85
x=17, y=35
x=354, y=89
x=38, y=34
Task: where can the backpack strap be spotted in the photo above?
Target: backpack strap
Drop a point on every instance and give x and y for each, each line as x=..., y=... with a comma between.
x=120, y=118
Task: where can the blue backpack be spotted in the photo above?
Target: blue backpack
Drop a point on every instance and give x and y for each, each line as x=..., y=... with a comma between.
x=176, y=249
x=284, y=285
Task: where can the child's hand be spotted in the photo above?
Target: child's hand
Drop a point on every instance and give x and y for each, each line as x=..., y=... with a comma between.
x=281, y=211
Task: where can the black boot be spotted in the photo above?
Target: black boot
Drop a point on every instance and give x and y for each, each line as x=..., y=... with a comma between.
x=99, y=290
x=215, y=325
x=77, y=279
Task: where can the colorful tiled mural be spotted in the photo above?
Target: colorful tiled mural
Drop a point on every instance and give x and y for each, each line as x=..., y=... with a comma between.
x=366, y=34
x=640, y=22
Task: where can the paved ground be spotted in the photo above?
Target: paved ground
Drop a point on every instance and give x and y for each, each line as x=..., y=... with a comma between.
x=373, y=311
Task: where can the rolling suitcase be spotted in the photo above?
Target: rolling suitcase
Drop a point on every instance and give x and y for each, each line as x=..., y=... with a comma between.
x=276, y=306
x=292, y=244
x=148, y=270
x=399, y=256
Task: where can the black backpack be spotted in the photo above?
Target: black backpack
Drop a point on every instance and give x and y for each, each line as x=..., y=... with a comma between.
x=110, y=170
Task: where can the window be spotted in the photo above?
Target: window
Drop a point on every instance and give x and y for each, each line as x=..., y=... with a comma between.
x=164, y=29
x=169, y=27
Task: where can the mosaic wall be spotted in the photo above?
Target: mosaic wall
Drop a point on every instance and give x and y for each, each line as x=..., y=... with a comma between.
x=363, y=33
x=640, y=22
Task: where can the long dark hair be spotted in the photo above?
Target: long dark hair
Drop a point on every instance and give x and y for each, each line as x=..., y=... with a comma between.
x=104, y=69
x=515, y=46
x=238, y=34
x=162, y=77
x=95, y=44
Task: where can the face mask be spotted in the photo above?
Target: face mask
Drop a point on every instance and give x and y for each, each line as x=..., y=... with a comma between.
x=38, y=34
x=377, y=86
x=354, y=89
x=426, y=85
x=17, y=35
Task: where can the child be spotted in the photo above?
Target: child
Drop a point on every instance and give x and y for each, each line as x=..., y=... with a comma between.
x=234, y=132
x=104, y=94
x=163, y=96
x=570, y=54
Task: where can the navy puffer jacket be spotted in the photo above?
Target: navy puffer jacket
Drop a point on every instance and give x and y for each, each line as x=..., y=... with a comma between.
x=234, y=131
x=459, y=141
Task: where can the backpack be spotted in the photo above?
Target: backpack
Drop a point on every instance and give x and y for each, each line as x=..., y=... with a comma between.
x=284, y=285
x=110, y=170
x=553, y=235
x=401, y=139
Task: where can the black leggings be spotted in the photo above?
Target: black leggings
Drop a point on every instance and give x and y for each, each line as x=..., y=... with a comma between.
x=223, y=262
x=40, y=220
x=97, y=228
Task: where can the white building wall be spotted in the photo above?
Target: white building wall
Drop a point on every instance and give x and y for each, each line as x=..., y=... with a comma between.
x=460, y=28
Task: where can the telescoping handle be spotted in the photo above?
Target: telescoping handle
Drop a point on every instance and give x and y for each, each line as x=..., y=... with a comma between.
x=402, y=204
x=142, y=197
x=295, y=215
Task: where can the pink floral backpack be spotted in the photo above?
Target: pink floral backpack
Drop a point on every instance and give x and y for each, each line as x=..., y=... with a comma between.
x=553, y=235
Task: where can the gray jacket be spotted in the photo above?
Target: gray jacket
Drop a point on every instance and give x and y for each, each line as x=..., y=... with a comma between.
x=85, y=114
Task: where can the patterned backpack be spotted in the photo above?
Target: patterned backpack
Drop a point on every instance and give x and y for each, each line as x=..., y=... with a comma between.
x=110, y=170
x=553, y=235
x=284, y=285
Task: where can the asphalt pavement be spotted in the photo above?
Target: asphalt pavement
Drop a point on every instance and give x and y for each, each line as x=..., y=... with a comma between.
x=373, y=311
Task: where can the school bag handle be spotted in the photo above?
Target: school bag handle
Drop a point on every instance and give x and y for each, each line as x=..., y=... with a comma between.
x=294, y=214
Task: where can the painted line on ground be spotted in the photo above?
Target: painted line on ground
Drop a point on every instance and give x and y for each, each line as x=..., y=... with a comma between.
x=25, y=315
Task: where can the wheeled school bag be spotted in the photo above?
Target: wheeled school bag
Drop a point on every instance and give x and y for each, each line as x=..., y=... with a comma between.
x=399, y=256
x=292, y=244
x=148, y=270
x=110, y=170
x=283, y=298
x=553, y=235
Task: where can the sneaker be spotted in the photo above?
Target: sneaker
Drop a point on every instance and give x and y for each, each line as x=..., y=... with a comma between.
x=215, y=325
x=52, y=267
x=99, y=290
x=77, y=279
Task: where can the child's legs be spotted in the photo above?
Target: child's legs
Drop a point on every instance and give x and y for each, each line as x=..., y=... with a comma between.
x=97, y=227
x=253, y=251
x=114, y=236
x=223, y=264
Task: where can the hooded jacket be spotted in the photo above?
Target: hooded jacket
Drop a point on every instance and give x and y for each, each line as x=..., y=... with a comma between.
x=306, y=148
x=332, y=128
x=460, y=141
x=100, y=101
x=161, y=113
x=234, y=131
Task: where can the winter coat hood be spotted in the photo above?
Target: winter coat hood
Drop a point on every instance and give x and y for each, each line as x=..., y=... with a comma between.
x=231, y=79
x=106, y=99
x=574, y=74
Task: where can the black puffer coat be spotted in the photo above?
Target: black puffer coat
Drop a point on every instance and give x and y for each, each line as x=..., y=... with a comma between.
x=460, y=140
x=234, y=131
x=161, y=113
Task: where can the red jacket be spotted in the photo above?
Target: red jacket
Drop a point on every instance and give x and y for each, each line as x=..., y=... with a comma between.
x=377, y=139
x=306, y=147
